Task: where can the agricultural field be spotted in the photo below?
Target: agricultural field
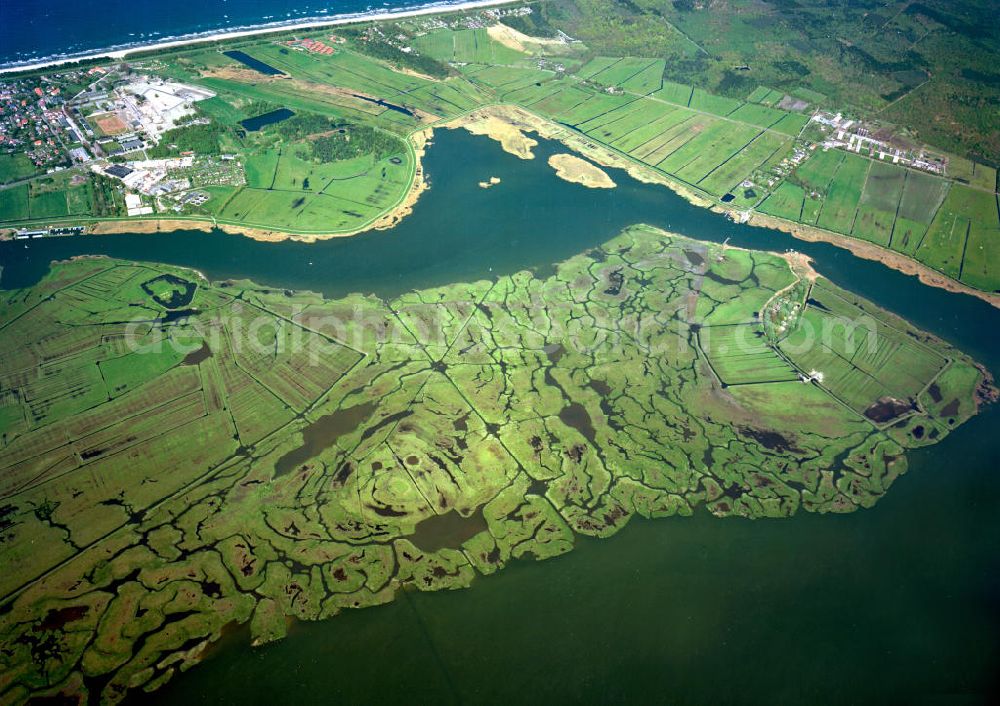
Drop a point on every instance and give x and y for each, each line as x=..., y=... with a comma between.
x=878, y=369
x=693, y=146
x=329, y=454
x=14, y=204
x=706, y=102
x=966, y=218
x=676, y=93
x=879, y=203
x=289, y=189
x=787, y=201
x=931, y=219
x=741, y=355
x=922, y=197
x=926, y=66
x=14, y=167
x=972, y=173
x=53, y=197
x=467, y=46
x=641, y=76
x=763, y=95
x=840, y=204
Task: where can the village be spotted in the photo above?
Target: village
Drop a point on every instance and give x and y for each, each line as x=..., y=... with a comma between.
x=877, y=142
x=35, y=135
x=106, y=120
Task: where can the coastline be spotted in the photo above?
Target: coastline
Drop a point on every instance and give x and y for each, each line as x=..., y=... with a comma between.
x=120, y=52
x=577, y=170
x=869, y=251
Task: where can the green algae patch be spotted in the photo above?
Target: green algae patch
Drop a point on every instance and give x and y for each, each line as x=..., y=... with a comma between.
x=285, y=457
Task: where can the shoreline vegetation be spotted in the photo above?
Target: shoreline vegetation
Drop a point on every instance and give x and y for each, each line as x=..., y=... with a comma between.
x=869, y=251
x=418, y=140
x=333, y=453
x=249, y=31
x=507, y=124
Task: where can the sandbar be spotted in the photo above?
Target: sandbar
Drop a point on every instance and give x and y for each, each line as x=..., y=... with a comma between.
x=571, y=168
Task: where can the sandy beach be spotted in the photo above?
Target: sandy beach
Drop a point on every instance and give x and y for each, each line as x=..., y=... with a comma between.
x=271, y=27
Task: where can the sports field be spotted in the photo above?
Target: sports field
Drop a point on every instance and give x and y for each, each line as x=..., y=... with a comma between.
x=109, y=124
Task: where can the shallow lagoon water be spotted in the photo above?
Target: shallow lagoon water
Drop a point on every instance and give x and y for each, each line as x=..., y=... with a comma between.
x=897, y=604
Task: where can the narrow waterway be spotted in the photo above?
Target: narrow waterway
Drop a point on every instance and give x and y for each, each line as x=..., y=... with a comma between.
x=459, y=232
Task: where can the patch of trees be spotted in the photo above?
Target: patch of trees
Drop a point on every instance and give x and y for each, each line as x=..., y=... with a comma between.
x=976, y=27
x=683, y=70
x=350, y=141
x=387, y=52
x=200, y=139
x=103, y=192
x=621, y=27
x=791, y=66
x=635, y=9
x=534, y=25
x=303, y=124
x=867, y=62
x=337, y=139
x=991, y=80
x=735, y=84
x=256, y=107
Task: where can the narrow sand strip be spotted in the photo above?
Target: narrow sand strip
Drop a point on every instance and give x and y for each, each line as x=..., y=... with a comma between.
x=269, y=28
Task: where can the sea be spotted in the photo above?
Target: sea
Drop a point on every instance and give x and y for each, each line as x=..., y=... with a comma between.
x=32, y=31
x=898, y=604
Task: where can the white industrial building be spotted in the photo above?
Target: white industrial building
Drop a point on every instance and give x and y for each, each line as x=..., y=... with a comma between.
x=159, y=105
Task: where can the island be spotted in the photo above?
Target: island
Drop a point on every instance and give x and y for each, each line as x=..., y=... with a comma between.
x=181, y=456
x=580, y=171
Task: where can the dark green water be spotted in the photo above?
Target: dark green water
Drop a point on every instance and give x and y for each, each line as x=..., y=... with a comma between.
x=269, y=118
x=900, y=604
